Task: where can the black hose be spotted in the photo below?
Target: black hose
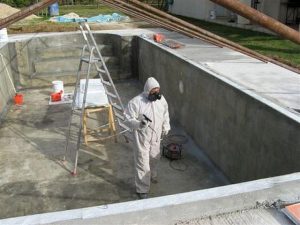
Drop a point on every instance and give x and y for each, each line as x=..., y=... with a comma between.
x=179, y=163
x=174, y=138
x=177, y=139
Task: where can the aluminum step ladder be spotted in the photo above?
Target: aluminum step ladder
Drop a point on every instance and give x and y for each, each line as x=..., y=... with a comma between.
x=91, y=55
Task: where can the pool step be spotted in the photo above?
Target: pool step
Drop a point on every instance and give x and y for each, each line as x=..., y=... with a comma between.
x=59, y=66
x=68, y=51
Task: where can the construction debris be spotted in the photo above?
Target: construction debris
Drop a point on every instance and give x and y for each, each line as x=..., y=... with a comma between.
x=159, y=38
x=102, y=18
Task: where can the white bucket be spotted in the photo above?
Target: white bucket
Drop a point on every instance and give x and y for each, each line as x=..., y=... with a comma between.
x=58, y=86
x=3, y=35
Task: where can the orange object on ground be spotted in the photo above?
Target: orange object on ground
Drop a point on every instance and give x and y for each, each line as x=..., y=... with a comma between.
x=158, y=38
x=56, y=97
x=18, y=99
x=293, y=212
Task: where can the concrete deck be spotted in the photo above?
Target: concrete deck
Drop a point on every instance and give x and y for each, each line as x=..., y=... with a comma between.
x=267, y=80
x=254, y=202
x=246, y=217
x=32, y=181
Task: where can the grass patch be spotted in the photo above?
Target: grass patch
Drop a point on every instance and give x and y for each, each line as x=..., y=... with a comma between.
x=269, y=45
x=42, y=26
x=87, y=10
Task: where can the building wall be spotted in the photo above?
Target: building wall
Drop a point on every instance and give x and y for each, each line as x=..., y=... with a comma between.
x=271, y=8
x=282, y=11
x=243, y=20
x=198, y=9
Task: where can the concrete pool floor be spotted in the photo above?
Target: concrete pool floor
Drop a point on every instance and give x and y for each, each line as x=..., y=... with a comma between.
x=32, y=139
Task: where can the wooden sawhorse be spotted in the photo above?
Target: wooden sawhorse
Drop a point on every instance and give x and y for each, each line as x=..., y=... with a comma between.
x=111, y=123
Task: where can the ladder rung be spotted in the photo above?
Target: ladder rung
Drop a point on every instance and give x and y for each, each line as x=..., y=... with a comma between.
x=76, y=111
x=87, y=60
x=124, y=126
x=111, y=94
x=115, y=105
x=101, y=70
x=119, y=116
x=106, y=83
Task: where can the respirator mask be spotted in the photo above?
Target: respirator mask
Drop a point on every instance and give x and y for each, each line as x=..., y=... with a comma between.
x=155, y=96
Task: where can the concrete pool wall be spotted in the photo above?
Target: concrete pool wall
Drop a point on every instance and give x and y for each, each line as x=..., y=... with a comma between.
x=6, y=87
x=39, y=59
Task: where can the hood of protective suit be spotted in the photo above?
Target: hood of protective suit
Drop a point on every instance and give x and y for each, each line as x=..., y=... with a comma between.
x=150, y=84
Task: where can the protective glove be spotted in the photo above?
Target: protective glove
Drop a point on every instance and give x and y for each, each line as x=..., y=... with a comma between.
x=165, y=133
x=144, y=124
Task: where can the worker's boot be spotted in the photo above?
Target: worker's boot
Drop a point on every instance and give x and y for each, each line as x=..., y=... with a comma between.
x=154, y=180
x=142, y=195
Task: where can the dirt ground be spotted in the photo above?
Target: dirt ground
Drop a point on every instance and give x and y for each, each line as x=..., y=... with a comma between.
x=6, y=10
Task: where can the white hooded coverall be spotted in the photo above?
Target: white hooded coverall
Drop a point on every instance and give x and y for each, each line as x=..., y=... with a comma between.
x=147, y=141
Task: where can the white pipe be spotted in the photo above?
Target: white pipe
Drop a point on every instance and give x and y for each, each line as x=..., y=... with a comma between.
x=12, y=83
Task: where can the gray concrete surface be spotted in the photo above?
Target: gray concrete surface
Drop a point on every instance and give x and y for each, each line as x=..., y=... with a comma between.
x=239, y=110
x=6, y=78
x=249, y=198
x=32, y=139
x=251, y=216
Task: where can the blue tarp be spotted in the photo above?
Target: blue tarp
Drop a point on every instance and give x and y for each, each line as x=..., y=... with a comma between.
x=115, y=17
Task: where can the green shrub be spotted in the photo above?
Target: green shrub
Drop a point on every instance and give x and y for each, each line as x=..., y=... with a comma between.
x=19, y=3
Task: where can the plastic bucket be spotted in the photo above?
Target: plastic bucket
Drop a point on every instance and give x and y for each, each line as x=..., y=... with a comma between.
x=53, y=9
x=18, y=99
x=3, y=35
x=56, y=97
x=58, y=86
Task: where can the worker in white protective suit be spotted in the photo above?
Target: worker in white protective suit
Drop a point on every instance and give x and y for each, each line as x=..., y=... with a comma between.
x=148, y=117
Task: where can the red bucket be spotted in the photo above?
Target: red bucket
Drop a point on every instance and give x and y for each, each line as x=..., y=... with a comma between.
x=56, y=97
x=18, y=99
